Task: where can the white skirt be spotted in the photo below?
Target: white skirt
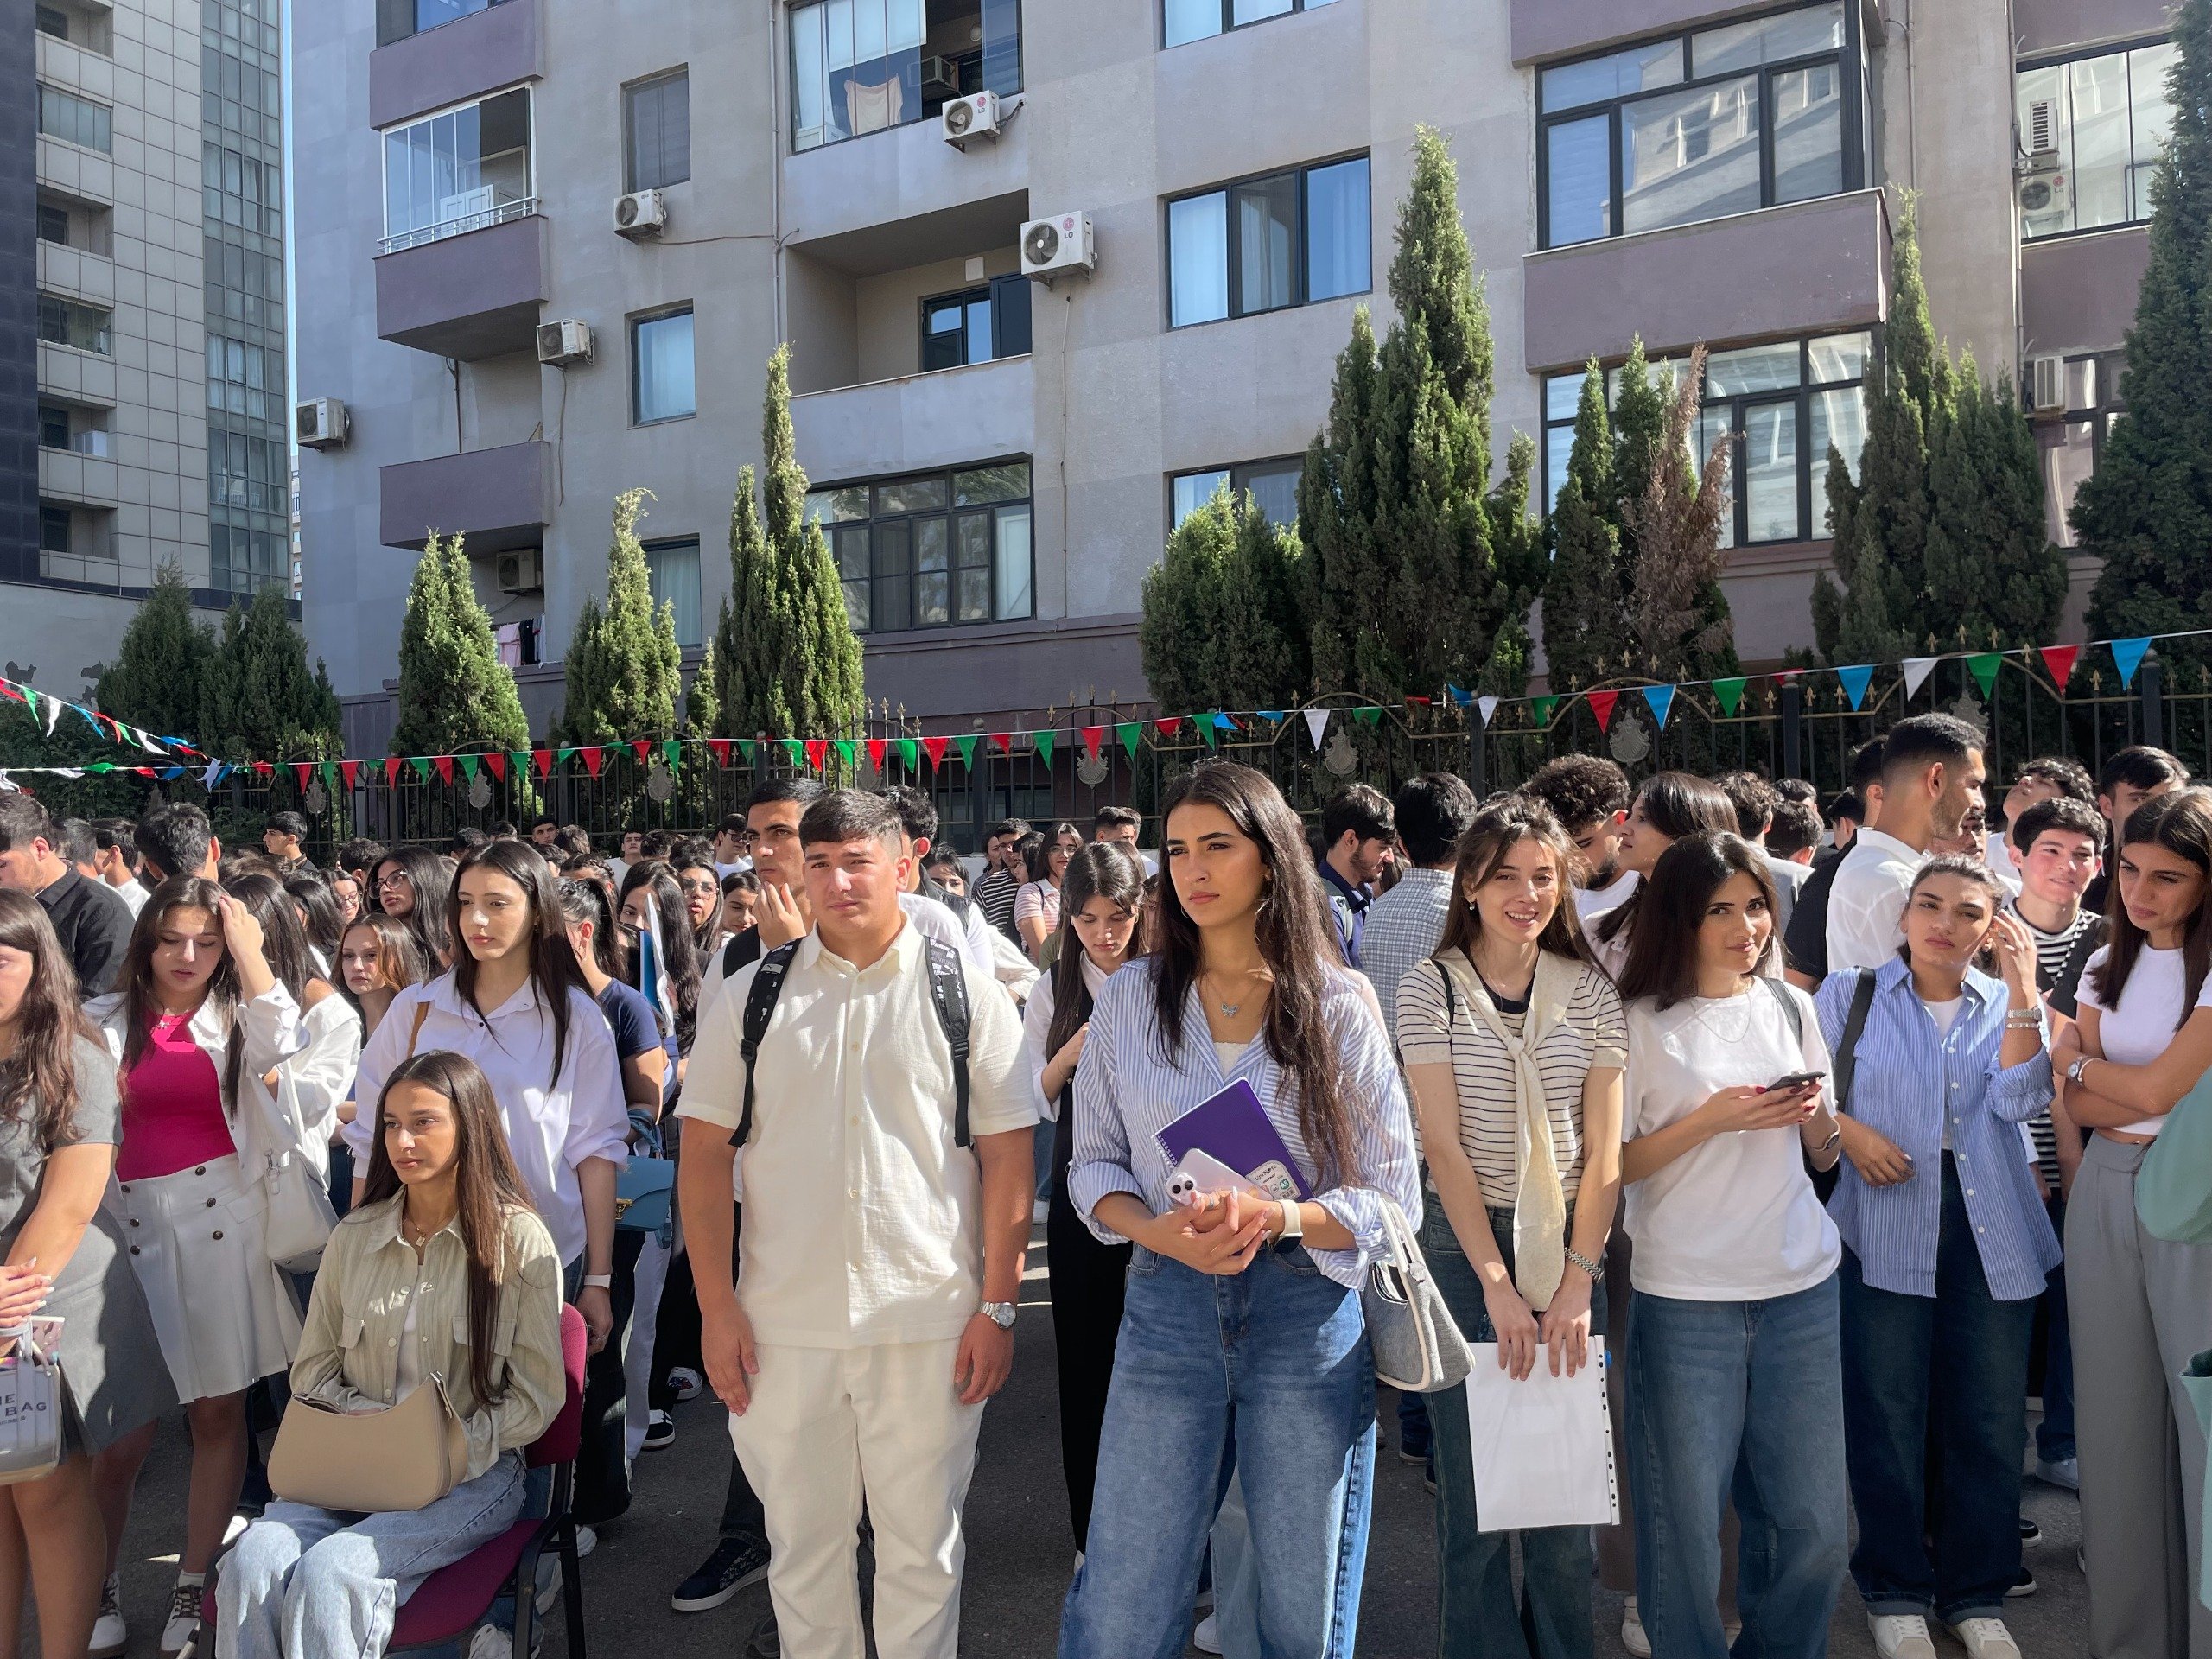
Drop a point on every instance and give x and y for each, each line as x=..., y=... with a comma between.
x=225, y=1314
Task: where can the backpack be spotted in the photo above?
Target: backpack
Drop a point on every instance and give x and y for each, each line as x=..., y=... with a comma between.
x=947, y=995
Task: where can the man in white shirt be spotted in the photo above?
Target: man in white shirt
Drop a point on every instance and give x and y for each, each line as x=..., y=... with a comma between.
x=732, y=841
x=880, y=1261
x=115, y=860
x=1124, y=824
x=1931, y=779
x=918, y=817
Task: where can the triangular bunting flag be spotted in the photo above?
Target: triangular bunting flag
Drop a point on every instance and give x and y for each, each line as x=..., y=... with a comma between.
x=1224, y=722
x=1541, y=708
x=595, y=755
x=563, y=757
x=1130, y=732
x=422, y=765
x=1488, y=706
x=794, y=751
x=213, y=775
x=169, y=773
x=1002, y=742
x=1044, y=742
x=103, y=768
x=747, y=747
x=719, y=747
x=303, y=770
x=1275, y=715
x=1092, y=737
x=876, y=747
x=967, y=746
x=2058, y=661
x=393, y=763
x=48, y=710
x=1984, y=664
x=349, y=770
x=672, y=752
x=1208, y=731
x=1459, y=695
x=543, y=758
x=1169, y=726
x=1601, y=704
x=1661, y=698
x=1917, y=670
x=469, y=763
x=330, y=774
x=818, y=752
x=910, y=754
x=847, y=754
x=444, y=764
x=2126, y=655
x=1855, y=681
x=521, y=758
x=8, y=691
x=1370, y=716
x=1317, y=724
x=496, y=763
x=264, y=768
x=642, y=747
x=935, y=747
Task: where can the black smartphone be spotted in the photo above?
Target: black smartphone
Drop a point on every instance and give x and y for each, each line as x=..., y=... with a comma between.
x=1794, y=1080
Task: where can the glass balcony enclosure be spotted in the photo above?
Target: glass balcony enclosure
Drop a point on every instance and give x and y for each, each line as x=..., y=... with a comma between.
x=458, y=171
x=860, y=66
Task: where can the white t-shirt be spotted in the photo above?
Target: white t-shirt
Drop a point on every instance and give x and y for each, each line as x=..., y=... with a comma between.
x=1735, y=1220
x=1591, y=903
x=2140, y=1029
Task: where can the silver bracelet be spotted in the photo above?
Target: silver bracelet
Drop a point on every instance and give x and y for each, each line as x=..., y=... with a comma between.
x=1575, y=1258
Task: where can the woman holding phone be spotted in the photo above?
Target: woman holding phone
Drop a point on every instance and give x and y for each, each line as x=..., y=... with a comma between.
x=1735, y=1378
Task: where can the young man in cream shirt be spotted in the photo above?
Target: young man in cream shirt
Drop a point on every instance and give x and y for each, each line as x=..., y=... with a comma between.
x=881, y=1263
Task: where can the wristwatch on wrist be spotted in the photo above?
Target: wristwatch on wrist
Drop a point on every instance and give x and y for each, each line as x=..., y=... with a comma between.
x=599, y=1282
x=1294, y=1221
x=2080, y=1065
x=1000, y=1314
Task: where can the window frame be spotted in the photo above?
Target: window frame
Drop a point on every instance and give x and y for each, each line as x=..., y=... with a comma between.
x=49, y=513
x=655, y=82
x=949, y=514
x=981, y=57
x=2121, y=50
x=1847, y=58
x=2099, y=417
x=47, y=214
x=673, y=544
x=964, y=298
x=1240, y=473
x=390, y=241
x=106, y=112
x=48, y=415
x=1233, y=240
x=1229, y=26
x=106, y=331
x=631, y=325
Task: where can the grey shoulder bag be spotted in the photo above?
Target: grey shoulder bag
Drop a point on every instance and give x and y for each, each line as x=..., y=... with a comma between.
x=1418, y=1348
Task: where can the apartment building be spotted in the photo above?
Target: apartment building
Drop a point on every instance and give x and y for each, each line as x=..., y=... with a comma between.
x=142, y=391
x=996, y=460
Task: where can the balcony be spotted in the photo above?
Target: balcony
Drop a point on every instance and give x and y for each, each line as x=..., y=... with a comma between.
x=858, y=191
x=1547, y=29
x=76, y=273
x=948, y=418
x=498, y=498
x=469, y=287
x=454, y=62
x=2077, y=293
x=82, y=479
x=1809, y=266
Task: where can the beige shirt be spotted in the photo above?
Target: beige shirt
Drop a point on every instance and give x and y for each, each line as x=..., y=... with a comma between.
x=862, y=1221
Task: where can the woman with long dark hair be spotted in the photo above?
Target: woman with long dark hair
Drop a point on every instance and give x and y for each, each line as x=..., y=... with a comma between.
x=378, y=958
x=1668, y=806
x=1242, y=1335
x=410, y=886
x=199, y=1024
x=1103, y=891
x=649, y=896
x=65, y=1261
x=1734, y=1364
x=2141, y=1307
x=317, y=1079
x=315, y=904
x=515, y=1003
x=1037, y=905
x=444, y=1273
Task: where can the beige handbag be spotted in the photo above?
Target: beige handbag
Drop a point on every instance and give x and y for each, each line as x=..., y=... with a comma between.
x=401, y=1457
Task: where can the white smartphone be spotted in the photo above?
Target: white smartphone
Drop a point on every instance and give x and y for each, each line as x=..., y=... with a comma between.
x=1198, y=1174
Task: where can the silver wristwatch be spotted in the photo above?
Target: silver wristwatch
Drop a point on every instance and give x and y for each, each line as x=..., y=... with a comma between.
x=1000, y=1314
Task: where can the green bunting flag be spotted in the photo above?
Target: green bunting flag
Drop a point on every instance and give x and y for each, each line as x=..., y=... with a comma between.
x=796, y=750
x=1207, y=731
x=910, y=754
x=422, y=765
x=745, y=748
x=468, y=766
x=1984, y=665
x=1368, y=716
x=1044, y=741
x=1728, y=694
x=671, y=750
x=1541, y=708
x=521, y=759
x=967, y=747
x=1129, y=732
x=563, y=757
x=847, y=753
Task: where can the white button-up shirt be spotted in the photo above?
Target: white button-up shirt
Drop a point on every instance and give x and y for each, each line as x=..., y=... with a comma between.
x=553, y=1123
x=862, y=1222
x=1866, y=904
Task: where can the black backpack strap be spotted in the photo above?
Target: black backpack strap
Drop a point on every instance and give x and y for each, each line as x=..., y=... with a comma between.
x=759, y=1012
x=949, y=994
x=1790, y=1011
x=1854, y=1022
x=2065, y=990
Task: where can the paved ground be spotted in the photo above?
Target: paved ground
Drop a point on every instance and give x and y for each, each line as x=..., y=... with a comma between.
x=1019, y=1547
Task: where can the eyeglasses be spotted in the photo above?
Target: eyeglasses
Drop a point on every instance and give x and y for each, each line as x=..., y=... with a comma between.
x=395, y=879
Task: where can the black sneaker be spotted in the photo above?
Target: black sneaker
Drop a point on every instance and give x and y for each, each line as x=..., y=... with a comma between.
x=735, y=1563
x=2029, y=1533
x=660, y=1431
x=2023, y=1586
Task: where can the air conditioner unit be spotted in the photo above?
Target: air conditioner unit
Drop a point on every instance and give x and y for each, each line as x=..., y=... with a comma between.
x=519, y=573
x=561, y=343
x=2040, y=133
x=2045, y=194
x=1056, y=247
x=320, y=424
x=940, y=78
x=2047, y=385
x=642, y=212
x=974, y=120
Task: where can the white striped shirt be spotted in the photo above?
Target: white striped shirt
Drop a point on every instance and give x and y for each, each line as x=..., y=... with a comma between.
x=1126, y=1092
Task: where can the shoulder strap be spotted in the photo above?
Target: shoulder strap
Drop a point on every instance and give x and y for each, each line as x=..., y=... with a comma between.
x=1790, y=1011
x=949, y=994
x=1451, y=995
x=1854, y=1022
x=759, y=1013
x=415, y=1030
x=2065, y=989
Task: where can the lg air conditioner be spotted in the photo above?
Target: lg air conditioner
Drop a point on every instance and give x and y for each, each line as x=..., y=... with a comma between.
x=1056, y=247
x=2046, y=194
x=2047, y=385
x=561, y=343
x=977, y=118
x=640, y=213
x=519, y=572
x=320, y=424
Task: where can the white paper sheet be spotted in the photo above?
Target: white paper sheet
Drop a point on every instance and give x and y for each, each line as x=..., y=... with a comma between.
x=1543, y=1447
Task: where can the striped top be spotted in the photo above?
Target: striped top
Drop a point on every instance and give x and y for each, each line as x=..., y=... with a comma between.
x=1126, y=1091
x=2052, y=951
x=1594, y=1036
x=995, y=893
x=1915, y=1087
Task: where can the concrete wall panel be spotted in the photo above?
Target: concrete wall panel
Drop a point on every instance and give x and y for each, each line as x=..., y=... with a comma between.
x=2077, y=293
x=481, y=53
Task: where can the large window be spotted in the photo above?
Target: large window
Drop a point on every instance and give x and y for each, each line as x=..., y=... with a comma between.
x=65, y=322
x=458, y=171
x=53, y=223
x=662, y=387
x=1699, y=125
x=1194, y=20
x=1281, y=239
x=397, y=19
x=2089, y=133
x=64, y=115
x=54, y=528
x=1779, y=406
x=933, y=550
x=860, y=66
x=1273, y=484
x=245, y=379
x=2072, y=446
x=976, y=325
x=657, y=131
x=672, y=567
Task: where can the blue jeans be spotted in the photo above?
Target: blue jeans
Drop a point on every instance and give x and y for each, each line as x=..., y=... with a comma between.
x=305, y=1583
x=1744, y=1397
x=1477, y=1615
x=1273, y=1366
x=2055, y=1433
x=1961, y=1356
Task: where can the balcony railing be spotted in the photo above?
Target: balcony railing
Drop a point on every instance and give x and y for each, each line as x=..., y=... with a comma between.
x=475, y=219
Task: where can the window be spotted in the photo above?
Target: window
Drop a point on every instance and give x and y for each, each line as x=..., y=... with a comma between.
x=657, y=131
x=1779, y=406
x=397, y=19
x=2090, y=132
x=673, y=567
x=52, y=528
x=461, y=171
x=1194, y=20
x=52, y=224
x=976, y=325
x=245, y=379
x=62, y=115
x=662, y=387
x=1699, y=125
x=53, y=427
x=932, y=550
x=2072, y=446
x=860, y=66
x=53, y=21
x=1287, y=238
x=1273, y=484
x=65, y=322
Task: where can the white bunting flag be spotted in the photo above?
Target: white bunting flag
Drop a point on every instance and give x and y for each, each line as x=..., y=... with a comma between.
x=1317, y=722
x=1916, y=669
x=1489, y=706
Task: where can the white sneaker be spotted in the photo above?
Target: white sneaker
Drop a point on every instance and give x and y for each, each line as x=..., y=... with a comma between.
x=110, y=1635
x=489, y=1641
x=684, y=1383
x=1207, y=1638
x=587, y=1542
x=1901, y=1635
x=1040, y=1210
x=1986, y=1638
x=184, y=1617
x=1632, y=1636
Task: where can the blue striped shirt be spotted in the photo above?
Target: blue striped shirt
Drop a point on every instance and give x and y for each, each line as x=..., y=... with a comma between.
x=1126, y=1094
x=1907, y=1084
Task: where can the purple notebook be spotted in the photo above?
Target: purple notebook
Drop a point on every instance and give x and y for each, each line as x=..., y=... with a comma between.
x=1233, y=1127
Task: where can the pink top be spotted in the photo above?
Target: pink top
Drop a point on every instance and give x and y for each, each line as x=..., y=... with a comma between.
x=172, y=1106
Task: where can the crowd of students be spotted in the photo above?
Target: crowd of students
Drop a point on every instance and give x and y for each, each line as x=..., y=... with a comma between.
x=1838, y=1075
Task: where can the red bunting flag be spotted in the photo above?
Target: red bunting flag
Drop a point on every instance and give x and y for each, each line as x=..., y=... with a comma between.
x=1002, y=742
x=497, y=763
x=719, y=747
x=818, y=752
x=642, y=747
x=1170, y=725
x=8, y=691
x=444, y=764
x=264, y=768
x=1422, y=702
x=875, y=753
x=2060, y=660
x=1601, y=704
x=594, y=757
x=144, y=772
x=391, y=766
x=543, y=758
x=1092, y=737
x=935, y=747
x=349, y=770
x=303, y=770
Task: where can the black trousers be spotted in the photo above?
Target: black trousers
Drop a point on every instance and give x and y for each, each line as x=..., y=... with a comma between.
x=602, y=1464
x=1088, y=1281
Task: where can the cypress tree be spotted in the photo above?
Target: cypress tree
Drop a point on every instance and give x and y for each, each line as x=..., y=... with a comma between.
x=1516, y=535
x=2147, y=510
x=258, y=700
x=624, y=671
x=1336, y=513
x=155, y=679
x=454, y=693
x=1221, y=625
x=703, y=708
x=1990, y=567
x=1586, y=614
x=1682, y=624
x=1640, y=408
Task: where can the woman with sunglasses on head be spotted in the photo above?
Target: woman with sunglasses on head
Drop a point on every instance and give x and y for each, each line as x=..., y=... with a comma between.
x=412, y=886
x=1242, y=1338
x=200, y=1020
x=1734, y=1366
